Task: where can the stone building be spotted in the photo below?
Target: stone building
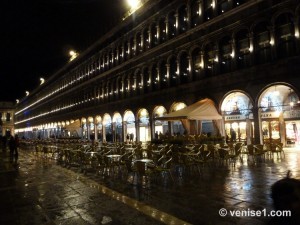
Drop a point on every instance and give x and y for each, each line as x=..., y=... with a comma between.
x=243, y=55
x=7, y=118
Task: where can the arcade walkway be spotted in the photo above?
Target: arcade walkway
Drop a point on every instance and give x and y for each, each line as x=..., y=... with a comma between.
x=37, y=191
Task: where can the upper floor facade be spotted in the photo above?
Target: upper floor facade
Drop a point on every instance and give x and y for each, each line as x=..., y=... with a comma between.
x=174, y=50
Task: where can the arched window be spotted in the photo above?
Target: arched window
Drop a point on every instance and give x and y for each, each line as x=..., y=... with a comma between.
x=173, y=71
x=223, y=6
x=262, y=46
x=163, y=74
x=171, y=25
x=242, y=49
x=237, y=3
x=121, y=55
x=139, y=82
x=208, y=9
x=184, y=68
x=147, y=80
x=154, y=78
x=210, y=59
x=196, y=63
x=111, y=59
x=225, y=55
x=120, y=87
x=162, y=30
x=139, y=47
x=182, y=19
x=153, y=37
x=146, y=39
x=116, y=57
x=126, y=51
x=285, y=35
x=195, y=13
x=132, y=48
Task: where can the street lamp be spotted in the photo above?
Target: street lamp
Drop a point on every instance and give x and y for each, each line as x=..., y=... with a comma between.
x=27, y=93
x=73, y=54
x=42, y=80
x=134, y=4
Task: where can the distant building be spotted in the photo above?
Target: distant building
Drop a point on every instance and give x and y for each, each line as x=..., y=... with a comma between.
x=7, y=118
x=243, y=55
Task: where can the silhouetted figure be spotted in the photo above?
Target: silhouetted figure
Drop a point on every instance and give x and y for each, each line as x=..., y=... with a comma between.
x=4, y=141
x=156, y=135
x=131, y=137
x=232, y=135
x=286, y=196
x=12, y=148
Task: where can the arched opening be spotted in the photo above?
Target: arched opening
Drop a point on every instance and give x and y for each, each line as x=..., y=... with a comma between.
x=160, y=126
x=117, y=128
x=98, y=123
x=107, y=128
x=176, y=126
x=144, y=126
x=129, y=125
x=279, y=112
x=237, y=112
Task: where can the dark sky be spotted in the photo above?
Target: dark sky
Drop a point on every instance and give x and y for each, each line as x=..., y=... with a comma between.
x=36, y=36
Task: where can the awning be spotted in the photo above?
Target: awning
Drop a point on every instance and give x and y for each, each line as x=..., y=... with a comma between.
x=201, y=110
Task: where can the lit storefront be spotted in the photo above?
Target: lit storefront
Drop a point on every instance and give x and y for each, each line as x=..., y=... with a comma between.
x=160, y=126
x=176, y=126
x=237, y=113
x=129, y=124
x=117, y=127
x=280, y=115
x=144, y=126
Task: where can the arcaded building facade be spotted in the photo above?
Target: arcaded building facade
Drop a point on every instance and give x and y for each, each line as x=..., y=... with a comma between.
x=243, y=55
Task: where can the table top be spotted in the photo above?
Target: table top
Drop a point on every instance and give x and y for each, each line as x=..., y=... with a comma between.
x=144, y=160
x=113, y=156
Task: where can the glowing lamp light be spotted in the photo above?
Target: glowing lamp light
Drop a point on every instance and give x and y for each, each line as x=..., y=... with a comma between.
x=73, y=54
x=42, y=80
x=27, y=93
x=133, y=3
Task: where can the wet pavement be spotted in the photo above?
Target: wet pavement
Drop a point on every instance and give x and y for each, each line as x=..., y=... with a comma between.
x=38, y=190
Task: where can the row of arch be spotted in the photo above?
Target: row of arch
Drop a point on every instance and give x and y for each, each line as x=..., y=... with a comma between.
x=237, y=107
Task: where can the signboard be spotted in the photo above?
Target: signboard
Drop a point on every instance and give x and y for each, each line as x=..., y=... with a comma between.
x=291, y=114
x=266, y=115
x=235, y=117
x=238, y=117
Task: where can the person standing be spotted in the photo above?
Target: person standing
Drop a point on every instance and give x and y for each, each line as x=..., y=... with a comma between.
x=232, y=135
x=12, y=147
x=131, y=137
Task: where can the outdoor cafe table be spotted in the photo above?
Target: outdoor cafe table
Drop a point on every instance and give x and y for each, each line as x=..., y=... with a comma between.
x=114, y=157
x=147, y=162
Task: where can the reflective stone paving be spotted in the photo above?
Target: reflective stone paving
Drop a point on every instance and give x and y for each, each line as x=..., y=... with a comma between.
x=39, y=191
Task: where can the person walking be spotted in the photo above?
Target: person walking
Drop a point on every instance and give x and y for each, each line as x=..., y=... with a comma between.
x=12, y=147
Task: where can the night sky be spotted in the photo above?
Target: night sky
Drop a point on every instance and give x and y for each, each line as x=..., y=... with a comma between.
x=36, y=36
